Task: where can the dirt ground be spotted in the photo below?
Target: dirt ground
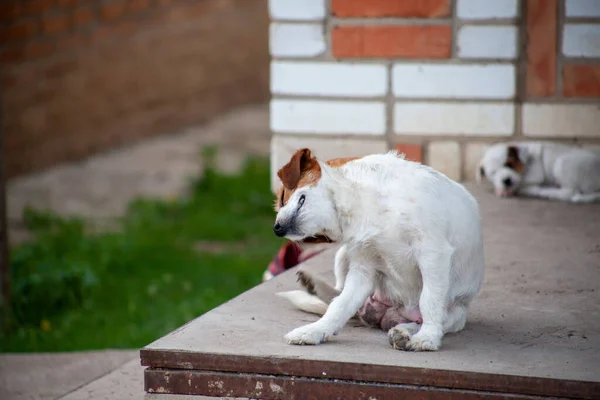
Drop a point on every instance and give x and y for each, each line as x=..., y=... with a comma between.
x=100, y=187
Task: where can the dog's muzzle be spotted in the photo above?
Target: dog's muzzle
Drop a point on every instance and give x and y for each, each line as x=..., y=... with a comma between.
x=279, y=230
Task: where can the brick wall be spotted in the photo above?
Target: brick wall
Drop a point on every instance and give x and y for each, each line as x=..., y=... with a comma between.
x=82, y=76
x=437, y=79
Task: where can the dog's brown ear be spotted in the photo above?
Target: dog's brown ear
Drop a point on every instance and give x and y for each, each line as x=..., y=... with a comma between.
x=513, y=159
x=512, y=153
x=291, y=172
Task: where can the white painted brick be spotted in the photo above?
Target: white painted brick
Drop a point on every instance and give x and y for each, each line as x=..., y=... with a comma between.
x=582, y=8
x=473, y=154
x=304, y=10
x=490, y=81
x=283, y=146
x=487, y=42
x=323, y=117
x=487, y=9
x=581, y=40
x=432, y=118
x=561, y=120
x=444, y=156
x=328, y=79
x=296, y=40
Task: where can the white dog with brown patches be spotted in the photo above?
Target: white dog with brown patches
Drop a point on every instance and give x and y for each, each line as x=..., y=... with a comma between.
x=542, y=169
x=409, y=234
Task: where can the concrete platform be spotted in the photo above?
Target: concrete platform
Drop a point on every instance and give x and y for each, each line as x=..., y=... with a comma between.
x=533, y=332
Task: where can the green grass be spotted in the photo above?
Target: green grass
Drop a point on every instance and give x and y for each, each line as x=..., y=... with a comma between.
x=167, y=263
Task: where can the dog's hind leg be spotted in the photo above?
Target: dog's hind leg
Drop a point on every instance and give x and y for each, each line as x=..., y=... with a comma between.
x=317, y=286
x=586, y=197
x=340, y=267
x=455, y=319
x=401, y=334
x=435, y=261
x=549, y=193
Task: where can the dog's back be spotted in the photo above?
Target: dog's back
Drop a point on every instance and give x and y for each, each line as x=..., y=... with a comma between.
x=394, y=194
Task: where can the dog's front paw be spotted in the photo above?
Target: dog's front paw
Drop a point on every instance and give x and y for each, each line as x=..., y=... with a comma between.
x=399, y=338
x=424, y=342
x=307, y=334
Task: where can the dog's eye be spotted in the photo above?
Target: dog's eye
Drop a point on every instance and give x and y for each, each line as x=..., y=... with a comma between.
x=482, y=171
x=281, y=203
x=301, y=201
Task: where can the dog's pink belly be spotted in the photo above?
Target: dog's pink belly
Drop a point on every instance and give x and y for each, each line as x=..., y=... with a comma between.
x=379, y=312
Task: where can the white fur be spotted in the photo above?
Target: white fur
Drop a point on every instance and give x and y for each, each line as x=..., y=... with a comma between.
x=305, y=301
x=552, y=171
x=407, y=231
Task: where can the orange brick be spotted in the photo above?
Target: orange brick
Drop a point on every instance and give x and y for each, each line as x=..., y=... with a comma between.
x=112, y=11
x=190, y=11
x=26, y=52
x=391, y=8
x=541, y=47
x=138, y=5
x=38, y=49
x=36, y=7
x=82, y=16
x=120, y=30
x=70, y=41
x=56, y=24
x=11, y=54
x=581, y=81
x=10, y=11
x=412, y=152
x=392, y=41
x=68, y=3
x=166, y=2
x=15, y=77
x=19, y=31
x=60, y=68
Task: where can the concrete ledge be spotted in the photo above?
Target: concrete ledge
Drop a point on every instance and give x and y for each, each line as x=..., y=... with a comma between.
x=530, y=333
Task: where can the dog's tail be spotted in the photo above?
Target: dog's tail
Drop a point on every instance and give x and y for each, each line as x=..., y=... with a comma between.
x=305, y=301
x=316, y=296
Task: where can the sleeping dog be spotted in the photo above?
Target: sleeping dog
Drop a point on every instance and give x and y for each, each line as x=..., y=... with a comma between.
x=542, y=169
x=410, y=238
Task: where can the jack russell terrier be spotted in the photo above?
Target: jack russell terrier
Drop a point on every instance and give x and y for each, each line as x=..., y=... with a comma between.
x=410, y=239
x=542, y=169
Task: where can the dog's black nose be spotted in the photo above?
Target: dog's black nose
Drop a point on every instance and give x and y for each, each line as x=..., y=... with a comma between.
x=279, y=230
x=507, y=182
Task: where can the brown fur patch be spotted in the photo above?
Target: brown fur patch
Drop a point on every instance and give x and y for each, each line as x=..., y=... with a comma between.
x=513, y=161
x=301, y=164
x=338, y=162
x=302, y=170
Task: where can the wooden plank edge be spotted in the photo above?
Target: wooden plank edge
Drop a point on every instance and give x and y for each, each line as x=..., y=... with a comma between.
x=270, y=387
x=376, y=374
